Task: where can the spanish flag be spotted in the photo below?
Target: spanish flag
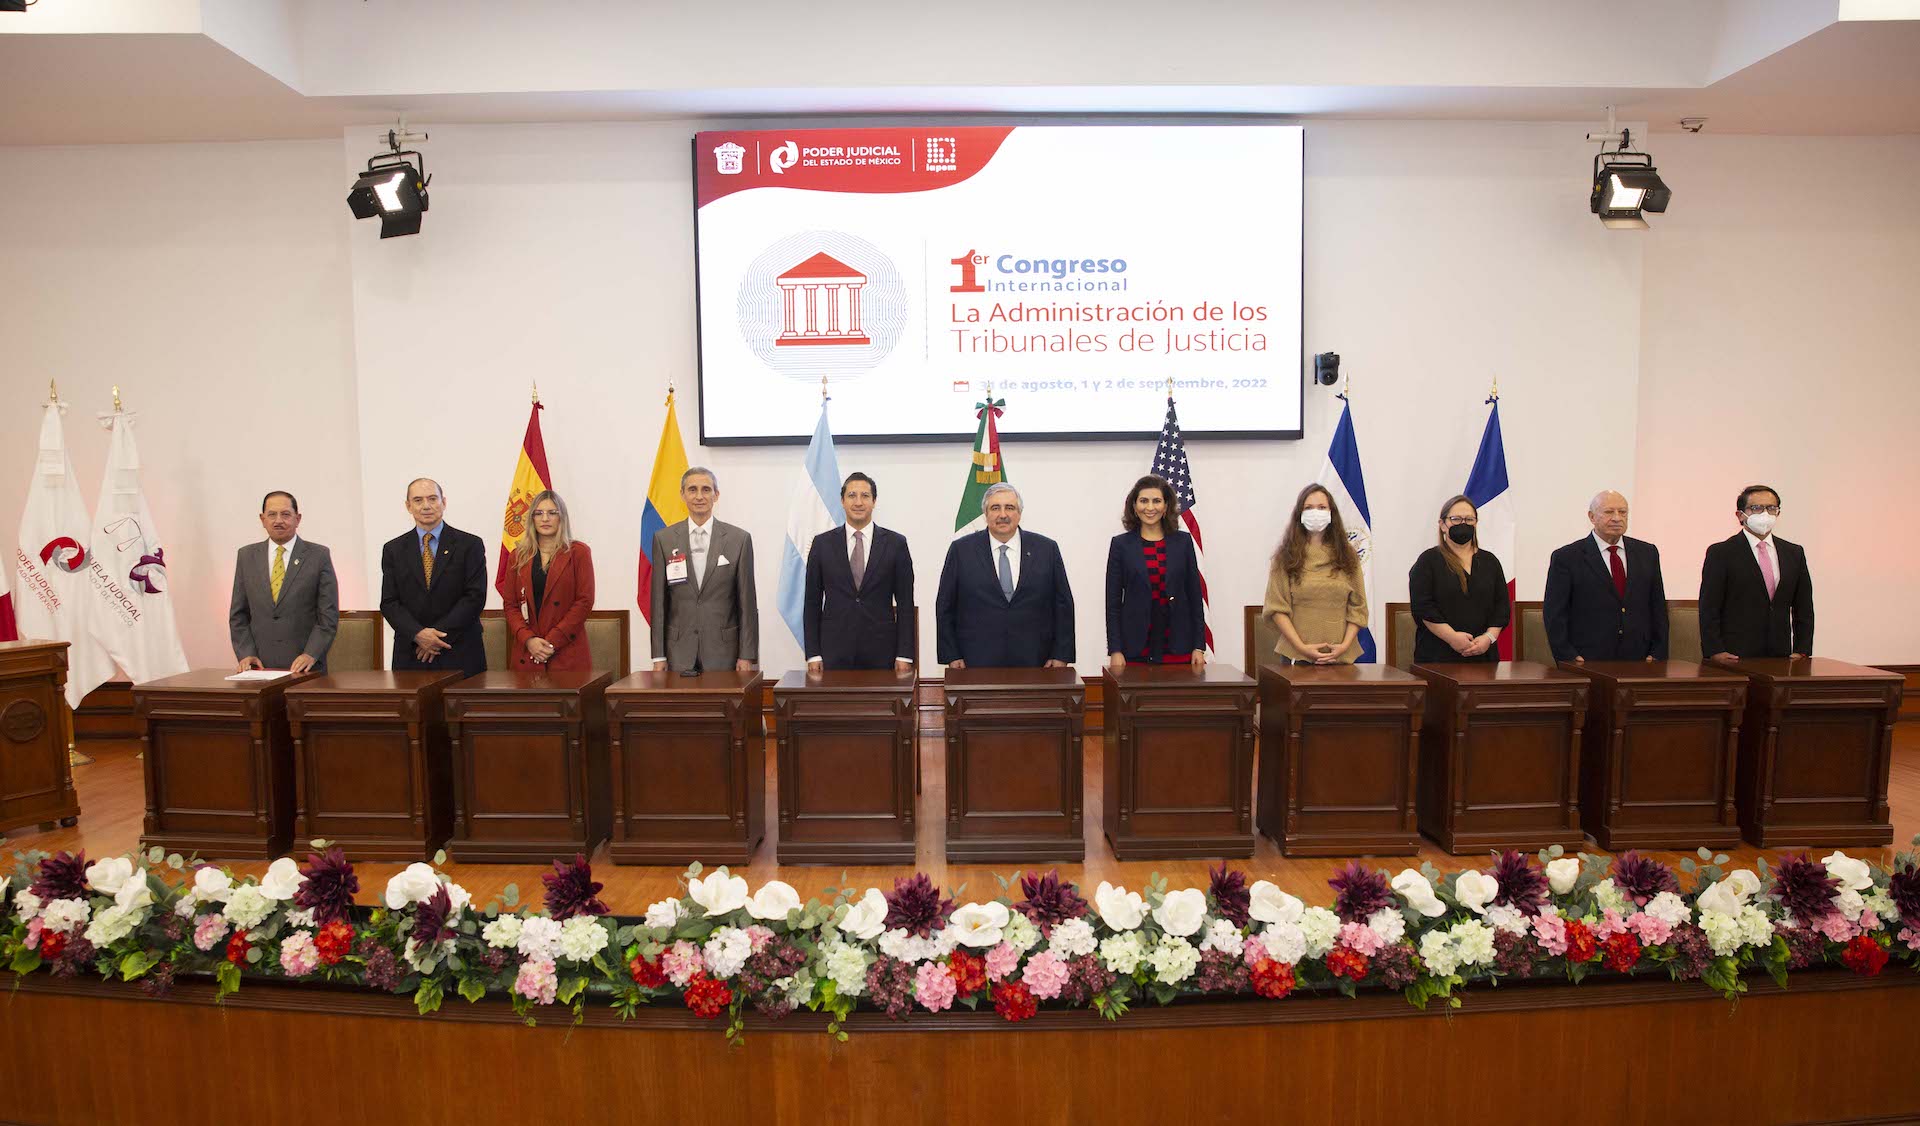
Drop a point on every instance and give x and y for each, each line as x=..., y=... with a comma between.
x=530, y=478
x=664, y=505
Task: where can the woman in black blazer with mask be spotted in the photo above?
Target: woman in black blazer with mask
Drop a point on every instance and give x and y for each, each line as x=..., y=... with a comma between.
x=1154, y=611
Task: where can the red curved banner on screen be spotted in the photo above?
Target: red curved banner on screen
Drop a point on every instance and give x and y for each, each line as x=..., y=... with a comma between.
x=878, y=161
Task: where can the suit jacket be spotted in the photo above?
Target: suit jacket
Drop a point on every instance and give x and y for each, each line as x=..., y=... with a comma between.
x=561, y=618
x=865, y=627
x=713, y=624
x=1130, y=596
x=304, y=619
x=1735, y=614
x=452, y=604
x=979, y=625
x=1587, y=618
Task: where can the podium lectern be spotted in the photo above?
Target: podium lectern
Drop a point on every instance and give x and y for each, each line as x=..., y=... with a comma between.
x=1014, y=765
x=846, y=743
x=689, y=767
x=1178, y=761
x=36, y=781
x=1339, y=759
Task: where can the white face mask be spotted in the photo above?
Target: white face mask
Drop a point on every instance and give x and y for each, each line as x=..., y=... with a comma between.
x=1315, y=519
x=1760, y=523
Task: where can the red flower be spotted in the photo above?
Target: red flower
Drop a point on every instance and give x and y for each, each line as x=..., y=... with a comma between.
x=333, y=942
x=646, y=975
x=237, y=948
x=1013, y=1000
x=1864, y=956
x=1272, y=979
x=1342, y=962
x=707, y=997
x=1622, y=951
x=969, y=973
x=51, y=944
x=1580, y=944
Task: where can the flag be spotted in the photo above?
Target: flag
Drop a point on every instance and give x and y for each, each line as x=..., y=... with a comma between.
x=530, y=477
x=1487, y=489
x=1170, y=464
x=813, y=508
x=987, y=467
x=1341, y=477
x=7, y=630
x=664, y=505
x=50, y=561
x=131, y=613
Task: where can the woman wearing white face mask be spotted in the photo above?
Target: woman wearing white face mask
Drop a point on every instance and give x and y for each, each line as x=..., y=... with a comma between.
x=1315, y=594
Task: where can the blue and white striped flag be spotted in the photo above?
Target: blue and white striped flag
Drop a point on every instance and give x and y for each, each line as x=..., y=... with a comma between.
x=815, y=507
x=1342, y=477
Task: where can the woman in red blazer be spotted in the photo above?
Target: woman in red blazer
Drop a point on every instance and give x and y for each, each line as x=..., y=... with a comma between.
x=551, y=594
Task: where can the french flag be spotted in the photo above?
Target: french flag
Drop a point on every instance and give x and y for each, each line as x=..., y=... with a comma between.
x=1487, y=489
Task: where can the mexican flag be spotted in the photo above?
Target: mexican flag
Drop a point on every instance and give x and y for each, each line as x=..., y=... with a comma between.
x=987, y=466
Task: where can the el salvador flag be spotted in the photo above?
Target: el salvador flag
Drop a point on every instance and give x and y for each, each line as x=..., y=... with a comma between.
x=815, y=508
x=1341, y=476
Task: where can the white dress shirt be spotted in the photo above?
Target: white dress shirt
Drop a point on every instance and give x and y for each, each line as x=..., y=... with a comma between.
x=699, y=540
x=289, y=545
x=1013, y=556
x=1603, y=545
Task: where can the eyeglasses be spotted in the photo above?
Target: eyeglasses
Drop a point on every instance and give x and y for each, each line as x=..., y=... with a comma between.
x=1757, y=509
x=1453, y=520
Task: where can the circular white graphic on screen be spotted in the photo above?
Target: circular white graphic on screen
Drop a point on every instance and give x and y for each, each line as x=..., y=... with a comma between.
x=822, y=303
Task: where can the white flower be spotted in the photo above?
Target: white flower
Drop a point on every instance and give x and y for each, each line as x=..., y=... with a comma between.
x=1021, y=934
x=1389, y=924
x=413, y=884
x=581, y=937
x=300, y=918
x=1562, y=874
x=424, y=959
x=1181, y=912
x=1849, y=903
x=979, y=925
x=1122, y=953
x=1437, y=951
x=1072, y=939
x=1266, y=903
x=798, y=988
x=1745, y=884
x=1473, y=943
x=107, y=875
x=1722, y=898
x=867, y=918
x=457, y=900
x=110, y=926
x=666, y=913
x=1854, y=875
x=1285, y=942
x=1611, y=898
x=1669, y=909
x=727, y=951
x=1321, y=928
x=1120, y=909
x=246, y=907
x=1509, y=919
x=63, y=916
x=1417, y=890
x=283, y=878
x=718, y=893
x=773, y=901
x=846, y=966
x=1173, y=959
x=184, y=906
x=1722, y=931
x=1881, y=904
x=900, y=945
x=1755, y=928
x=503, y=932
x=135, y=895
x=210, y=885
x=1475, y=890
x=27, y=906
x=539, y=939
x=1224, y=936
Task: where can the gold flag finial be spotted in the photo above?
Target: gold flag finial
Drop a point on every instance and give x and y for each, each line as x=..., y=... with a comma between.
x=823, y=389
x=1169, y=387
x=116, y=398
x=536, y=392
x=53, y=393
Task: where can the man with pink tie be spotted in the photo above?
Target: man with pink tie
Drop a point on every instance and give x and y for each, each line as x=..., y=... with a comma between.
x=1756, y=597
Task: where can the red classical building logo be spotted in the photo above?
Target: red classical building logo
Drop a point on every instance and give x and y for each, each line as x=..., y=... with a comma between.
x=830, y=290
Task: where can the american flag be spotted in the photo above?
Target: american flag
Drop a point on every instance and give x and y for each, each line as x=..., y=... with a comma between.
x=1170, y=462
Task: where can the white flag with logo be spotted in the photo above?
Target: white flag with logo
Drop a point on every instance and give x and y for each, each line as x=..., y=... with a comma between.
x=131, y=613
x=51, y=590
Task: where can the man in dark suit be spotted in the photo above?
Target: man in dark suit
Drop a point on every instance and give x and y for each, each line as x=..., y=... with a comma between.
x=1756, y=597
x=859, y=608
x=1605, y=600
x=286, y=602
x=706, y=612
x=1004, y=601
x=433, y=583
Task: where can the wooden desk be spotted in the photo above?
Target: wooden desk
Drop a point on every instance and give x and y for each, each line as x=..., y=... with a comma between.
x=530, y=778
x=1178, y=762
x=846, y=755
x=1339, y=759
x=1500, y=756
x=1815, y=752
x=689, y=767
x=36, y=781
x=1014, y=764
x=219, y=764
x=1657, y=764
x=371, y=763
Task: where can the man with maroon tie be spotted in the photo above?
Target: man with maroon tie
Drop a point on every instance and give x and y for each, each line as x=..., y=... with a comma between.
x=1756, y=597
x=1605, y=600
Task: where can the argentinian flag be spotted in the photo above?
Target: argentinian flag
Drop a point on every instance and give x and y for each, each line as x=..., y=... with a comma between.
x=814, y=508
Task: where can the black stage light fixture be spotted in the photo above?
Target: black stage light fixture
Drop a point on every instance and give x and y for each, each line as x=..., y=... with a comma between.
x=393, y=187
x=15, y=5
x=1626, y=185
x=1326, y=368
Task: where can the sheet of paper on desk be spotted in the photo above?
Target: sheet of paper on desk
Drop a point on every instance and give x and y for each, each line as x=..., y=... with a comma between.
x=260, y=674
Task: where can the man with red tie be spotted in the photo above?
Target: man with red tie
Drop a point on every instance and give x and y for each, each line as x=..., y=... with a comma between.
x=1605, y=600
x=1756, y=597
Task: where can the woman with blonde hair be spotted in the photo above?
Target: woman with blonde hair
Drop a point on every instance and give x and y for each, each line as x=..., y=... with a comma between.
x=550, y=592
x=1458, y=592
x=1315, y=594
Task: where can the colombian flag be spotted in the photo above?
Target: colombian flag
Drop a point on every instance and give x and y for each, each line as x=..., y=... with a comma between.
x=530, y=478
x=664, y=505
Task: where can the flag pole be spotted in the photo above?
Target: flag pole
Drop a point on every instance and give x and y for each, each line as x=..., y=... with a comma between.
x=74, y=755
x=536, y=392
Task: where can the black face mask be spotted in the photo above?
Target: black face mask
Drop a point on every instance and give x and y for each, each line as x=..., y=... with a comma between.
x=1461, y=534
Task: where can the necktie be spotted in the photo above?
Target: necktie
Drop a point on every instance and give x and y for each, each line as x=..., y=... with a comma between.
x=1619, y=571
x=279, y=569
x=699, y=545
x=1766, y=568
x=426, y=559
x=1006, y=574
x=859, y=559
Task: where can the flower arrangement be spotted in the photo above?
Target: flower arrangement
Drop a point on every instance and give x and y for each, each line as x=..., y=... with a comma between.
x=722, y=948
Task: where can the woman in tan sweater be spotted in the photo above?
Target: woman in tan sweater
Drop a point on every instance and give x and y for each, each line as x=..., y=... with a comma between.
x=1315, y=595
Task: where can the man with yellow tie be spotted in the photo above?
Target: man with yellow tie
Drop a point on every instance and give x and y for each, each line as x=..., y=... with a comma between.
x=286, y=604
x=433, y=583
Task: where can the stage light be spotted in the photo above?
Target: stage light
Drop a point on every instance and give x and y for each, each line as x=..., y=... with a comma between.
x=393, y=187
x=1626, y=185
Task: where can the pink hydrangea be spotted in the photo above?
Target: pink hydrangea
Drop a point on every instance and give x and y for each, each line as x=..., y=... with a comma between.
x=1254, y=952
x=1046, y=975
x=1911, y=937
x=1001, y=961
x=933, y=987
x=537, y=980
x=1551, y=930
x=1835, y=927
x=298, y=956
x=681, y=961
x=1609, y=924
x=1651, y=930
x=209, y=930
x=1361, y=939
x=1869, y=921
x=760, y=936
x=33, y=933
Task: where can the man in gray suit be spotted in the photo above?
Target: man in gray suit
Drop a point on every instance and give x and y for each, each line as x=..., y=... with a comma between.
x=286, y=604
x=705, y=614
